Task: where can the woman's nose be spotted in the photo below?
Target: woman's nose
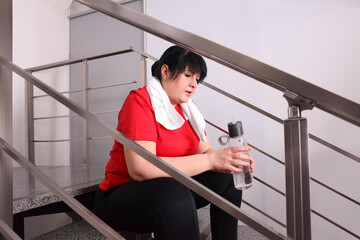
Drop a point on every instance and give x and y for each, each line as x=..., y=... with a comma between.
x=194, y=82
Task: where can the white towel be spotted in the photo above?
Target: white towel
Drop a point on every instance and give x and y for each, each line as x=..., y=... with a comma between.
x=167, y=115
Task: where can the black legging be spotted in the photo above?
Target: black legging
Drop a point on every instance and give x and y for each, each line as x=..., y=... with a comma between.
x=167, y=208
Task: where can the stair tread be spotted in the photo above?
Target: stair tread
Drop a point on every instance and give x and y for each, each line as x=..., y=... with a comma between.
x=30, y=193
x=82, y=230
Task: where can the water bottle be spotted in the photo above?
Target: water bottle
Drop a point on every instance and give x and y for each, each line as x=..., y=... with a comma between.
x=243, y=179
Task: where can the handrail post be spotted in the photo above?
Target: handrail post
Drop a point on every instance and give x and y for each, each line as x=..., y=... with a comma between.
x=30, y=121
x=298, y=211
x=142, y=82
x=6, y=169
x=85, y=103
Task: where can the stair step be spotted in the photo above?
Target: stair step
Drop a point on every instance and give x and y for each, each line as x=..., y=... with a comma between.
x=81, y=230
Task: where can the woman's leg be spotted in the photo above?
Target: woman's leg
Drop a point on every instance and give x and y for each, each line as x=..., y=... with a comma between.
x=223, y=225
x=162, y=206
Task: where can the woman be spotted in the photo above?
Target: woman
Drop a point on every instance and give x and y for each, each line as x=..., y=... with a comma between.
x=137, y=196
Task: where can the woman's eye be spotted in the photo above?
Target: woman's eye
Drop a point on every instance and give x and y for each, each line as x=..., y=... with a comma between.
x=187, y=75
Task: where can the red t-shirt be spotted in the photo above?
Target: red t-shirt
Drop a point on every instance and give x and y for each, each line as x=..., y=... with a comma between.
x=137, y=121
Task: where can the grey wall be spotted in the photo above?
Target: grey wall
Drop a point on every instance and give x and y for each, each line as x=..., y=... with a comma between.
x=92, y=34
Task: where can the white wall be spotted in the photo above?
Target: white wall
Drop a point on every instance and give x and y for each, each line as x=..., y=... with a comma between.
x=41, y=36
x=314, y=40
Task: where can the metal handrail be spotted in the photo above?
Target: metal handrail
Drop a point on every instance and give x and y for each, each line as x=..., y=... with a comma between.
x=61, y=193
x=283, y=194
x=75, y=115
x=7, y=232
x=276, y=119
x=158, y=162
x=89, y=58
x=144, y=54
x=89, y=88
x=321, y=98
x=321, y=141
x=277, y=160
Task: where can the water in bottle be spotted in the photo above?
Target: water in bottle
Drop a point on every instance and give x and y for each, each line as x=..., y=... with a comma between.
x=243, y=179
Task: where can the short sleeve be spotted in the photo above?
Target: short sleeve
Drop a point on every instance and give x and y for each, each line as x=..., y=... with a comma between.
x=137, y=119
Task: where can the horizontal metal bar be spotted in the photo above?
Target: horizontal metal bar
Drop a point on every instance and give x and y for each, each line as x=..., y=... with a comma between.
x=75, y=115
x=58, y=140
x=61, y=193
x=269, y=186
x=79, y=60
x=323, y=99
x=263, y=213
x=335, y=148
x=158, y=162
x=111, y=85
x=90, y=88
x=239, y=100
x=64, y=92
x=311, y=178
x=215, y=126
x=100, y=138
x=311, y=136
x=7, y=232
x=335, y=224
x=105, y=112
x=52, y=117
x=144, y=54
x=71, y=139
x=335, y=191
x=89, y=58
x=254, y=147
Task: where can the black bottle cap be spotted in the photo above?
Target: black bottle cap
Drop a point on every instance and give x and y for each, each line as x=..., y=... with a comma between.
x=235, y=129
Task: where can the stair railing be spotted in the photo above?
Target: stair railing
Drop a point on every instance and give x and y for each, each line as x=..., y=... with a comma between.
x=84, y=90
x=158, y=162
x=300, y=95
x=226, y=94
x=7, y=232
x=61, y=193
x=311, y=136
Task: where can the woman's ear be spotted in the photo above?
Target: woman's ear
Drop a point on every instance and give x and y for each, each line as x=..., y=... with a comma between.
x=165, y=72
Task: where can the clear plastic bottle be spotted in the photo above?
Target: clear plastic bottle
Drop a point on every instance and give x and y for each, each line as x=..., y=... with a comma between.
x=243, y=179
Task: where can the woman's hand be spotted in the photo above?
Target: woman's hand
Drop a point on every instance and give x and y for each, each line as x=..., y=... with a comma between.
x=228, y=159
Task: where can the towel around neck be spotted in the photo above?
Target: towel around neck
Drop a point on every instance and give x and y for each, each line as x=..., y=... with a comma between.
x=167, y=115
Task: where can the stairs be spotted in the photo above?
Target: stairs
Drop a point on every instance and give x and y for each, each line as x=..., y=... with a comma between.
x=81, y=230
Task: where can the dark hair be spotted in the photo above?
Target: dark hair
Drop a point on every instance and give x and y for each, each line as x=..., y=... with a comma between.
x=177, y=59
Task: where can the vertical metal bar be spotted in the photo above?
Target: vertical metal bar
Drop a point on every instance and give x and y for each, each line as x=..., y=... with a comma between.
x=85, y=103
x=30, y=121
x=6, y=170
x=30, y=130
x=297, y=176
x=85, y=213
x=142, y=72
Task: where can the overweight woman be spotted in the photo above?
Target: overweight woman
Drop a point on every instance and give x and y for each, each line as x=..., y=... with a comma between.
x=161, y=117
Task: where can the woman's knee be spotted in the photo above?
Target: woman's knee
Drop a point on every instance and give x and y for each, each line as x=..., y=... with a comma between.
x=171, y=193
x=174, y=215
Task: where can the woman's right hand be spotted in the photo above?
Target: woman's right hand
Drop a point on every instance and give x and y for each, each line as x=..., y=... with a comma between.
x=228, y=159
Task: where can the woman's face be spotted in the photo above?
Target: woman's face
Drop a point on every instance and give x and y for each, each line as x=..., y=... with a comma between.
x=180, y=89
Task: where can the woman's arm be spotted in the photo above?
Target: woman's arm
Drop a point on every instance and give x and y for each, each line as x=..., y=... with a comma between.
x=206, y=159
x=205, y=147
